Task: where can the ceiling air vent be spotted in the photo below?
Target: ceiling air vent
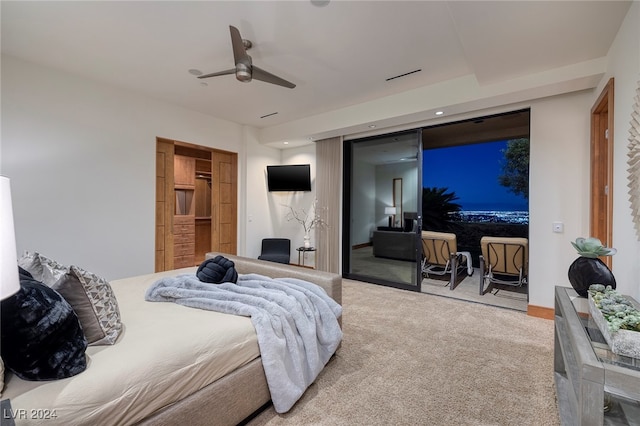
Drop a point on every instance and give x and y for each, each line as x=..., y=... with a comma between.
x=403, y=75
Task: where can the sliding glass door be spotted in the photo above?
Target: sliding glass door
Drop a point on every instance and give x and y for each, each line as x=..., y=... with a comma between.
x=383, y=209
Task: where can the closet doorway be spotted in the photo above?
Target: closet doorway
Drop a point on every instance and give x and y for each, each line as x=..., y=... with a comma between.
x=196, y=203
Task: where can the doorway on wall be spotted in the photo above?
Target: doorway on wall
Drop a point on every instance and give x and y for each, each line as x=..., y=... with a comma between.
x=379, y=247
x=196, y=203
x=601, y=223
x=476, y=184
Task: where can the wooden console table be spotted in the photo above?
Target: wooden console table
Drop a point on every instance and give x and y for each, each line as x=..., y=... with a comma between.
x=594, y=386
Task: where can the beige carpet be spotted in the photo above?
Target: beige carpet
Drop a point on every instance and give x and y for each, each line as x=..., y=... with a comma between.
x=411, y=359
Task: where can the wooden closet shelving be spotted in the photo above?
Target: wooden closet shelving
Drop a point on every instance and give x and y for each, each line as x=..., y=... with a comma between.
x=192, y=220
x=196, y=203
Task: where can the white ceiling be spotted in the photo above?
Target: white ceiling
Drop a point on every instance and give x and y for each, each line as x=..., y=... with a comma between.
x=338, y=55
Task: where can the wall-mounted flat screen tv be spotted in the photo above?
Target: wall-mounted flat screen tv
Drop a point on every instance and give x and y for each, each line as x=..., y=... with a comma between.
x=291, y=177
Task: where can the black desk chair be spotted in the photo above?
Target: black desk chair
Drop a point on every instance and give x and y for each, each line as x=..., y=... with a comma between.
x=276, y=250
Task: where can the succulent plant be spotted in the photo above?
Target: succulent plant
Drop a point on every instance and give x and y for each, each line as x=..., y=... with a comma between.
x=616, y=309
x=592, y=247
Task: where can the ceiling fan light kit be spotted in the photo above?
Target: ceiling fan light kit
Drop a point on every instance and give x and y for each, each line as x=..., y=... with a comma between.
x=244, y=69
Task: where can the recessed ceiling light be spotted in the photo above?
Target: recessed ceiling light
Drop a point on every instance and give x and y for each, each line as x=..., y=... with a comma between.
x=194, y=71
x=285, y=143
x=372, y=126
x=439, y=112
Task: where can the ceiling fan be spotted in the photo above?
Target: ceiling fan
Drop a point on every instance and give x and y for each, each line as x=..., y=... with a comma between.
x=244, y=70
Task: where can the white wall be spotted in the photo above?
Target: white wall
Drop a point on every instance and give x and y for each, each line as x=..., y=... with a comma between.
x=256, y=204
x=82, y=161
x=385, y=174
x=81, y=158
x=558, y=189
x=278, y=201
x=364, y=199
x=373, y=192
x=624, y=67
x=266, y=211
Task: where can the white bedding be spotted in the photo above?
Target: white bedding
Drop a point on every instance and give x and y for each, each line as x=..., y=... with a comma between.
x=166, y=352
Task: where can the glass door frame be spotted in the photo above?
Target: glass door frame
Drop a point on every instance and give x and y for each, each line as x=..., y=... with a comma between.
x=348, y=146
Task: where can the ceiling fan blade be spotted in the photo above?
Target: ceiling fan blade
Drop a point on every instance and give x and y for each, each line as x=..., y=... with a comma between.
x=214, y=74
x=262, y=75
x=239, y=52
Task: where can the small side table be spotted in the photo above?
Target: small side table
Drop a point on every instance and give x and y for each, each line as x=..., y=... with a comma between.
x=301, y=254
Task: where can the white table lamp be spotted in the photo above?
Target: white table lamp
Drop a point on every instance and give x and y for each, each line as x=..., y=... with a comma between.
x=9, y=278
x=391, y=211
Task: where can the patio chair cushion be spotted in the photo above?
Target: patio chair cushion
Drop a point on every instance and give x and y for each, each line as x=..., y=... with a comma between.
x=438, y=246
x=509, y=260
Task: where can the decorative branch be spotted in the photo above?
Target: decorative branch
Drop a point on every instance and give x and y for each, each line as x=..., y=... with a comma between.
x=308, y=219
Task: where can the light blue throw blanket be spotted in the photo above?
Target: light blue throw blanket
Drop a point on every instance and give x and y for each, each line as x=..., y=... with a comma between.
x=296, y=323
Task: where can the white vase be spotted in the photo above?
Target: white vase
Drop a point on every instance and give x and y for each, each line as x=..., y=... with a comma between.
x=307, y=241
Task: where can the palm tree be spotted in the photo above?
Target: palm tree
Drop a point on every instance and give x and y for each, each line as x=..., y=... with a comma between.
x=437, y=204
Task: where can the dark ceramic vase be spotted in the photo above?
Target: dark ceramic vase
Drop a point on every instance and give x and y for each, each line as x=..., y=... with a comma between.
x=585, y=271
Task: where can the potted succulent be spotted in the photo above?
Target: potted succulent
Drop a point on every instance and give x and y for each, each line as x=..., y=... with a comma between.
x=618, y=318
x=588, y=268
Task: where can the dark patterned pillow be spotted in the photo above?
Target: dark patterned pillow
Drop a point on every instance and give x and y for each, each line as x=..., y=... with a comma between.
x=41, y=336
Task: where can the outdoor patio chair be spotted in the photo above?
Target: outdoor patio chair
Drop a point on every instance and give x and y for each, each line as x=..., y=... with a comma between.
x=441, y=256
x=504, y=260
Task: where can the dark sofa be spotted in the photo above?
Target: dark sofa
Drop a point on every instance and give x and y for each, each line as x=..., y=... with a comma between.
x=394, y=245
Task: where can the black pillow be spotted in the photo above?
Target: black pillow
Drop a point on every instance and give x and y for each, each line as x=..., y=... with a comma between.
x=217, y=270
x=41, y=336
x=22, y=271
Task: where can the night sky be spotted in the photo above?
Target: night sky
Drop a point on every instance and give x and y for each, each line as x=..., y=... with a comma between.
x=471, y=172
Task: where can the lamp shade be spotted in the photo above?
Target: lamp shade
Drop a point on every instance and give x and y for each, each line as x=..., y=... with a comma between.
x=389, y=210
x=9, y=279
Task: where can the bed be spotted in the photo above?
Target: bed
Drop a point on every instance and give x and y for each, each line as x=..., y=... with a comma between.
x=170, y=365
